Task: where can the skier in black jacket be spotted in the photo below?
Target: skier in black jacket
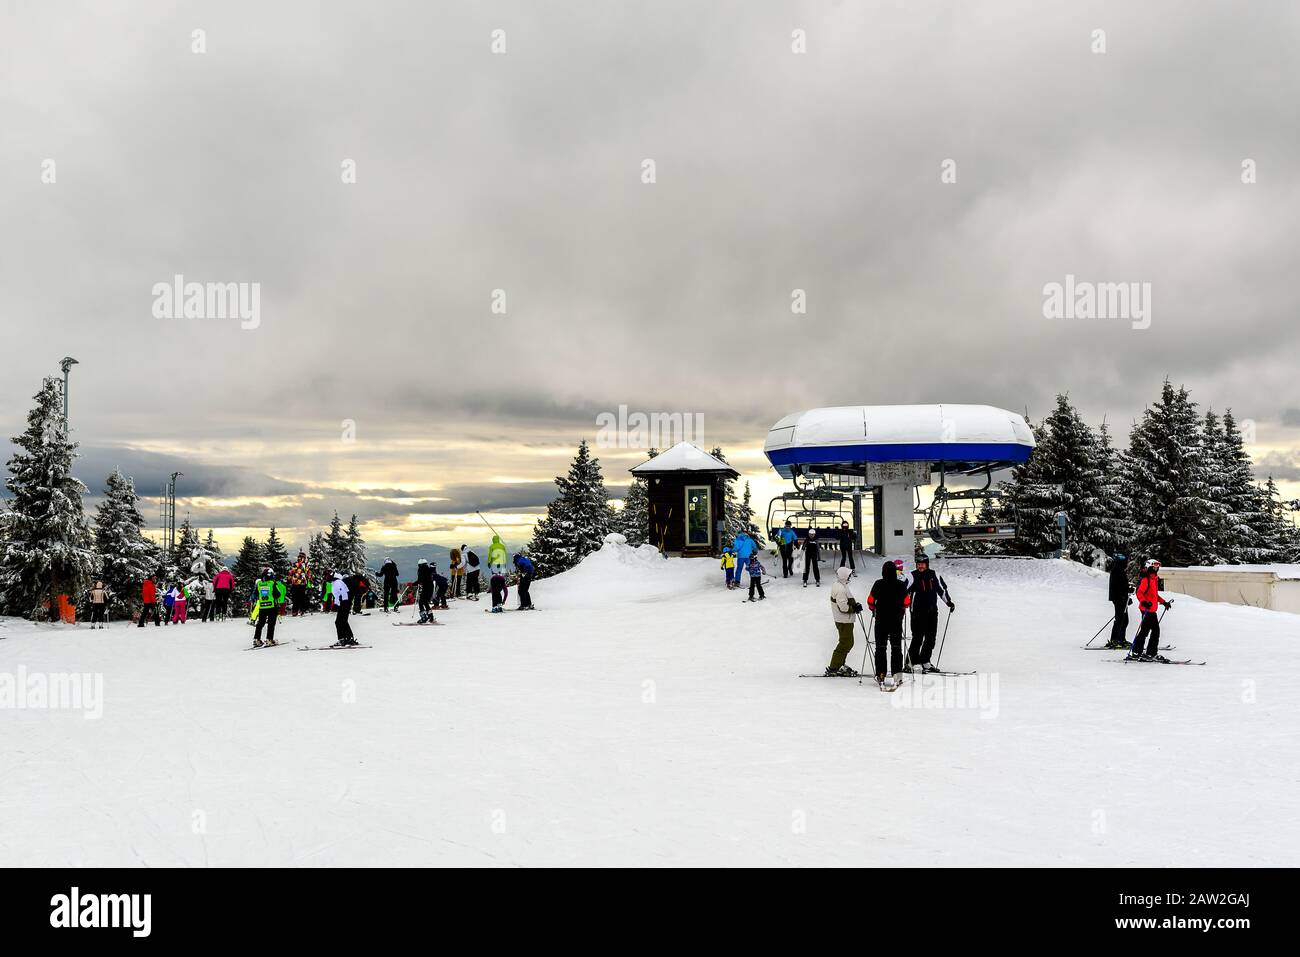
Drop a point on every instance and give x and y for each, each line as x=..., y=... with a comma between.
x=388, y=572
x=1118, y=595
x=424, y=587
x=846, y=536
x=925, y=591
x=811, y=556
x=888, y=601
x=471, y=573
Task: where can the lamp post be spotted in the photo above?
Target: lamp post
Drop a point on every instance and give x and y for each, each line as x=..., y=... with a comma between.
x=66, y=363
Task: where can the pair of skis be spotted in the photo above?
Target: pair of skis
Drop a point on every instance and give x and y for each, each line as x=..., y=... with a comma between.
x=335, y=647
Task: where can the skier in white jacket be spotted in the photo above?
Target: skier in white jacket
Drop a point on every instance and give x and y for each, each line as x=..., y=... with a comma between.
x=844, y=609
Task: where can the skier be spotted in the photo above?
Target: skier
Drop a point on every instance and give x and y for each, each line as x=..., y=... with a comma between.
x=526, y=573
x=471, y=573
x=755, y=569
x=99, y=605
x=358, y=585
x=298, y=577
x=1119, y=596
x=342, y=601
x=888, y=601
x=149, y=602
x=457, y=572
x=424, y=586
x=223, y=584
x=209, y=601
x=744, y=547
x=786, y=538
x=497, y=556
x=845, y=607
x=1149, y=602
x=728, y=565
x=846, y=536
x=925, y=591
x=388, y=572
x=169, y=602
x=270, y=600
x=180, y=604
x=811, y=558
x=440, y=589
x=497, y=585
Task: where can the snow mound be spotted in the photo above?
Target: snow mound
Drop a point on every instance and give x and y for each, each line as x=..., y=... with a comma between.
x=619, y=572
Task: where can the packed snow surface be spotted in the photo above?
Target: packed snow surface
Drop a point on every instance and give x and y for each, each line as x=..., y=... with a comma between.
x=644, y=715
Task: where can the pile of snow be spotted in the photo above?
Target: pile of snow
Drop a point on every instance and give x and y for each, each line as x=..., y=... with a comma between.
x=616, y=572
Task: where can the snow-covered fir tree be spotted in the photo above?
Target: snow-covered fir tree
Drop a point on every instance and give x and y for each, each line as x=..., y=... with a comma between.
x=354, y=548
x=187, y=559
x=633, y=519
x=48, y=550
x=247, y=570
x=319, y=563
x=1165, y=480
x=1250, y=530
x=576, y=521
x=336, y=546
x=734, y=520
x=126, y=557
x=274, y=555
x=1114, y=521
x=745, y=518
x=214, y=556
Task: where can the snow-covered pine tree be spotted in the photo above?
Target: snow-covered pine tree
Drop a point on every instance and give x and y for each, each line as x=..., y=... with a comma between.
x=214, y=556
x=319, y=563
x=1279, y=539
x=576, y=521
x=126, y=557
x=354, y=548
x=633, y=519
x=1214, y=461
x=187, y=560
x=1251, y=532
x=1114, y=524
x=48, y=550
x=247, y=570
x=274, y=555
x=1164, y=479
x=745, y=514
x=734, y=519
x=336, y=546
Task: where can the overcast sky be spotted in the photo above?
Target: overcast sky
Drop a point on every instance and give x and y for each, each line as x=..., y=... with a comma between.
x=522, y=171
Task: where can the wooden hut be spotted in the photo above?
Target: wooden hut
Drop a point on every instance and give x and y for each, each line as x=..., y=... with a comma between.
x=686, y=489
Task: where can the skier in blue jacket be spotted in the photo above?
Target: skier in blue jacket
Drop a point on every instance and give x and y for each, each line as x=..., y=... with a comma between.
x=526, y=573
x=745, y=547
x=786, y=538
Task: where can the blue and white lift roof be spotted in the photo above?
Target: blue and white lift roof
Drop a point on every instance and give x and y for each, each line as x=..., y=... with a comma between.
x=962, y=437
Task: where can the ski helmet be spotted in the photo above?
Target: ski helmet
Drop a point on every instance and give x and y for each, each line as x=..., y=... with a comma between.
x=423, y=561
x=268, y=570
x=812, y=533
x=1152, y=563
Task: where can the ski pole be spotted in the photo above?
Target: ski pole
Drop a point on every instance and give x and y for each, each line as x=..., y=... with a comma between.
x=867, y=646
x=945, y=638
x=1099, y=630
x=487, y=523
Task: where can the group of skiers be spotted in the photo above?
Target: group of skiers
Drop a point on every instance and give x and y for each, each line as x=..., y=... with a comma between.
x=212, y=594
x=889, y=600
x=1147, y=592
x=787, y=540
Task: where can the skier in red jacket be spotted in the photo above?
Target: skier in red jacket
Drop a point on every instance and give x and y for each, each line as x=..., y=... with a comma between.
x=1149, y=602
x=149, y=603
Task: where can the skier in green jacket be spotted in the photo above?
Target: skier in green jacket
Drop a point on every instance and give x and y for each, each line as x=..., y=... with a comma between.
x=498, y=558
x=270, y=594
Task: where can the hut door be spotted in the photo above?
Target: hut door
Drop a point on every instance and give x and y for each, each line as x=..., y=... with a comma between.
x=699, y=516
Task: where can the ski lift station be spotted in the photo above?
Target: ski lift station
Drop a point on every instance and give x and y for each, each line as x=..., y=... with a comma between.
x=886, y=454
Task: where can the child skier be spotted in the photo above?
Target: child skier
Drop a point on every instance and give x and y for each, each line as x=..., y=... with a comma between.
x=440, y=584
x=497, y=585
x=889, y=601
x=755, y=569
x=728, y=565
x=180, y=604
x=1149, y=602
x=844, y=609
x=169, y=601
